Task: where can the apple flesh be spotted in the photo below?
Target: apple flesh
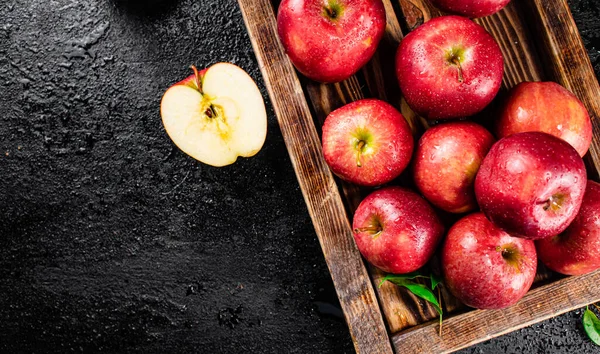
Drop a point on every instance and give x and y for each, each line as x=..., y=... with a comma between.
x=470, y=8
x=531, y=184
x=446, y=162
x=367, y=142
x=330, y=40
x=549, y=108
x=485, y=267
x=449, y=67
x=396, y=230
x=576, y=251
x=216, y=115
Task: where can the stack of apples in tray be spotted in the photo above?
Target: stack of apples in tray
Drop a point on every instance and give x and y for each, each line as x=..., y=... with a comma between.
x=519, y=190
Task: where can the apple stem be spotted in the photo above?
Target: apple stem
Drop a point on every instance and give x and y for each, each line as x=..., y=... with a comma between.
x=596, y=306
x=197, y=75
x=456, y=62
x=359, y=147
x=372, y=229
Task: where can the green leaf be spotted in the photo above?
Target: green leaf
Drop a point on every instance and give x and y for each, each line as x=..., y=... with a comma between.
x=424, y=293
x=419, y=290
x=591, y=324
x=435, y=281
x=398, y=277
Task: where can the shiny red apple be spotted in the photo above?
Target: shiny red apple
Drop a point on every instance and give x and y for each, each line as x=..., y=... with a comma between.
x=576, y=251
x=546, y=107
x=449, y=67
x=531, y=184
x=396, y=230
x=446, y=162
x=329, y=41
x=471, y=8
x=485, y=267
x=367, y=142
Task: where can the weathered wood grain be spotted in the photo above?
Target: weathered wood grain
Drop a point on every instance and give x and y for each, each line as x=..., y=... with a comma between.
x=566, y=62
x=320, y=191
x=480, y=325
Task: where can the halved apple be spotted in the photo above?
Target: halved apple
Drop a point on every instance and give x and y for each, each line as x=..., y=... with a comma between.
x=216, y=115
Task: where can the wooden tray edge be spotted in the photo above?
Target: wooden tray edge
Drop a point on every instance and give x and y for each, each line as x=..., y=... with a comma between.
x=477, y=326
x=351, y=279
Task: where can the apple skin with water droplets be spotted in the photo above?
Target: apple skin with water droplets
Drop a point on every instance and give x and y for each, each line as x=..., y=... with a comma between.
x=329, y=41
x=449, y=67
x=470, y=8
x=446, y=162
x=367, y=142
x=546, y=107
x=531, y=185
x=485, y=267
x=396, y=230
x=576, y=251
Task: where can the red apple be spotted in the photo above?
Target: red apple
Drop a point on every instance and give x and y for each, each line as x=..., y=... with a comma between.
x=367, y=142
x=546, y=107
x=576, y=251
x=531, y=184
x=216, y=115
x=485, y=267
x=449, y=67
x=447, y=159
x=471, y=8
x=396, y=230
x=330, y=40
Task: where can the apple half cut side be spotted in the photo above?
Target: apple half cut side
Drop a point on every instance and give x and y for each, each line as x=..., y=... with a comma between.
x=216, y=115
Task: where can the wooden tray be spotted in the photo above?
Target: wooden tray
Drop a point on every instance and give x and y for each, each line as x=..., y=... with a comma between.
x=539, y=41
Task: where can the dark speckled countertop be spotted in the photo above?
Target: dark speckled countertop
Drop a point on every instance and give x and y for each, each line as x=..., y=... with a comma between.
x=112, y=240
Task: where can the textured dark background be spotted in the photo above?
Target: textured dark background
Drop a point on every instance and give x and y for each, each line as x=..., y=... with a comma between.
x=112, y=240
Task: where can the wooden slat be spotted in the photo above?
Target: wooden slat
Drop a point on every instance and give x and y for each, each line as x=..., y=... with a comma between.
x=521, y=61
x=321, y=194
x=479, y=325
x=567, y=62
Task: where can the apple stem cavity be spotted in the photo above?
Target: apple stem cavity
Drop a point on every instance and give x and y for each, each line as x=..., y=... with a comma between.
x=333, y=10
x=374, y=230
x=510, y=255
x=554, y=203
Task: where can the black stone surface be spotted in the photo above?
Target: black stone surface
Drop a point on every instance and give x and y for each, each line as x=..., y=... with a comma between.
x=112, y=240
